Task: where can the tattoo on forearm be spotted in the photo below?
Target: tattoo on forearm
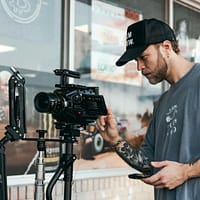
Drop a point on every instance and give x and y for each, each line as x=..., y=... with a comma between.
x=133, y=156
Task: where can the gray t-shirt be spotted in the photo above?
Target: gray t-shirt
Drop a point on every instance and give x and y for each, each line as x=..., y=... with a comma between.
x=174, y=132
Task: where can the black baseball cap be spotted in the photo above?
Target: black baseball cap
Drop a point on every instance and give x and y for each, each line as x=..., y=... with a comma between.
x=143, y=33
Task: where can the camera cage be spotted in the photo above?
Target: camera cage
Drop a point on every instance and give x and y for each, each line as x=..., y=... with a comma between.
x=71, y=103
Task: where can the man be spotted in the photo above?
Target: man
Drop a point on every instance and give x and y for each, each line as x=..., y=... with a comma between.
x=173, y=136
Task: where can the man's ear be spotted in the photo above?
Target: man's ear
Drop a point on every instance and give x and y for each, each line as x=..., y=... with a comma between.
x=166, y=48
x=167, y=44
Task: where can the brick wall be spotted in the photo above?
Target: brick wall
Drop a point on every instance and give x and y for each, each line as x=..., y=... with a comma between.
x=114, y=187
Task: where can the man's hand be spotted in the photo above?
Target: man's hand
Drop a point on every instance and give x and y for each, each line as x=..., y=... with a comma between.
x=107, y=126
x=171, y=175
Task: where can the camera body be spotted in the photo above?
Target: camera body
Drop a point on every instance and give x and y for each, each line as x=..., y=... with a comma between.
x=74, y=104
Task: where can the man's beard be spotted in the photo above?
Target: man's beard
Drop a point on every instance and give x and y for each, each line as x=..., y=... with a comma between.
x=159, y=73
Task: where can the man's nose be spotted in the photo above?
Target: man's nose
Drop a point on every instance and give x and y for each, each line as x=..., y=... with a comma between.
x=140, y=65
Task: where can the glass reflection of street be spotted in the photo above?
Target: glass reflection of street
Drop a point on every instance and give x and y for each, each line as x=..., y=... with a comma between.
x=18, y=155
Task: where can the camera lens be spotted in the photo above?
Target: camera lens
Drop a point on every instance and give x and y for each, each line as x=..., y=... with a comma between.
x=45, y=102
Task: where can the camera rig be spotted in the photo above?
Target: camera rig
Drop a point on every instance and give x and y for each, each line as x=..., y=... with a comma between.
x=72, y=106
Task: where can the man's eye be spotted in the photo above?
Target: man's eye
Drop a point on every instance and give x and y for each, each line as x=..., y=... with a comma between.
x=144, y=58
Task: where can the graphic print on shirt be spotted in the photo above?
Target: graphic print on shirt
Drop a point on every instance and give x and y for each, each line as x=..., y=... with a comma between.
x=171, y=120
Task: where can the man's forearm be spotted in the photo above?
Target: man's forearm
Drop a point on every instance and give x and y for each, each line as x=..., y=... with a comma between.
x=133, y=156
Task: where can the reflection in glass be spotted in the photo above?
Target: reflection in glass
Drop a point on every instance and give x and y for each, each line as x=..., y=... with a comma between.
x=99, y=41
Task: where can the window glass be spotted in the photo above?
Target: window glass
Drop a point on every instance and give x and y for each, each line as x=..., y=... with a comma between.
x=30, y=42
x=30, y=35
x=186, y=24
x=100, y=30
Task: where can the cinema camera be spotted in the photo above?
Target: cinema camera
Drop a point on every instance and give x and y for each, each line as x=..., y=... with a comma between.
x=73, y=104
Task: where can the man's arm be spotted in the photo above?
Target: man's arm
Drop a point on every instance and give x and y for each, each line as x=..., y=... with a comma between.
x=107, y=127
x=133, y=156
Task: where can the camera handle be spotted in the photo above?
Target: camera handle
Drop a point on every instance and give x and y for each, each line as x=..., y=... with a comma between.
x=67, y=158
x=64, y=76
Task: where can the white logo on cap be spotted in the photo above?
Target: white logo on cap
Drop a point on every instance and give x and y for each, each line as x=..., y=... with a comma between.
x=129, y=39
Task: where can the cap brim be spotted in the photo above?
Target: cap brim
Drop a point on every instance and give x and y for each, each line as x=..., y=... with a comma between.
x=130, y=54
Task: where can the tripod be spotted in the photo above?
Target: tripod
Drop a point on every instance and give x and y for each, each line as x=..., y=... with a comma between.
x=71, y=106
x=68, y=132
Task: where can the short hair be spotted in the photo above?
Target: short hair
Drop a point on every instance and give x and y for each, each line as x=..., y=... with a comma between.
x=175, y=46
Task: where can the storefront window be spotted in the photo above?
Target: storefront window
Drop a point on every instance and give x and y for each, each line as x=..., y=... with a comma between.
x=99, y=42
x=187, y=30
x=30, y=42
x=30, y=34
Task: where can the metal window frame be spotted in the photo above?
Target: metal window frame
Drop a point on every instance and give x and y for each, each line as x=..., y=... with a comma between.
x=67, y=35
x=192, y=4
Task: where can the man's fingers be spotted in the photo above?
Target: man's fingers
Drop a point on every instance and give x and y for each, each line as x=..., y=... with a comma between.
x=109, y=112
x=152, y=179
x=160, y=163
x=100, y=122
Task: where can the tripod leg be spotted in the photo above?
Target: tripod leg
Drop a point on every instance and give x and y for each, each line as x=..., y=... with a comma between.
x=68, y=173
x=66, y=167
x=3, y=177
x=53, y=181
x=39, y=177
